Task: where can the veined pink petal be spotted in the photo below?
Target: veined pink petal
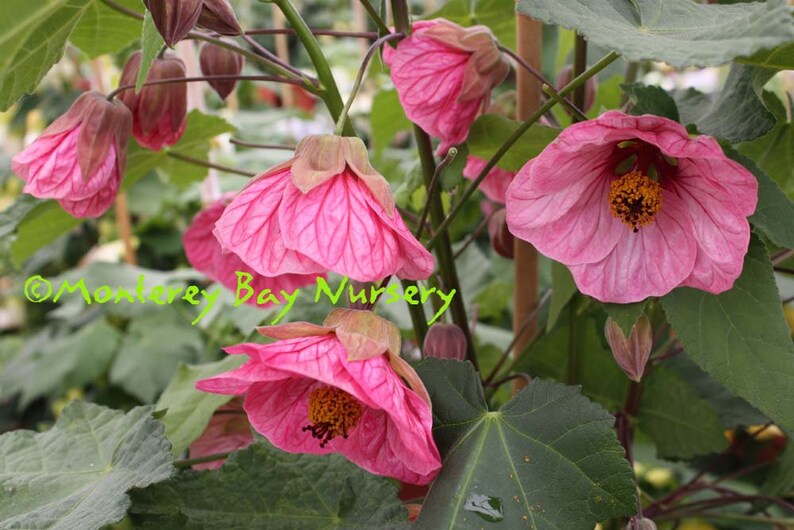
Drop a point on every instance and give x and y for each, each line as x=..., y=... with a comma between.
x=249, y=227
x=228, y=431
x=495, y=184
x=162, y=135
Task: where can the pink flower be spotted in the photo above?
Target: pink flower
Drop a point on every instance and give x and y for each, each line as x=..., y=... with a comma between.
x=635, y=208
x=227, y=431
x=444, y=75
x=325, y=209
x=79, y=159
x=206, y=255
x=494, y=186
x=336, y=388
x=159, y=112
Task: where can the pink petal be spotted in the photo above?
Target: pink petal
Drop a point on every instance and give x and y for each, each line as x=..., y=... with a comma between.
x=651, y=262
x=249, y=227
x=226, y=432
x=494, y=186
x=162, y=135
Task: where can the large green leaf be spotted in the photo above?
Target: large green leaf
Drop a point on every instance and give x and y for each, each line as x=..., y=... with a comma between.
x=780, y=58
x=496, y=14
x=679, y=32
x=387, y=119
x=76, y=475
x=680, y=422
x=740, y=337
x=151, y=43
x=548, y=459
x=106, y=30
x=188, y=411
x=43, y=224
x=651, y=100
x=774, y=153
x=562, y=290
x=32, y=39
x=489, y=132
x=261, y=487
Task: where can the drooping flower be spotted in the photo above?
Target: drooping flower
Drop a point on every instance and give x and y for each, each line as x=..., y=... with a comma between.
x=444, y=74
x=215, y=61
x=206, y=255
x=79, y=159
x=227, y=431
x=324, y=209
x=336, y=388
x=159, y=112
x=495, y=184
x=174, y=18
x=502, y=241
x=635, y=208
x=218, y=16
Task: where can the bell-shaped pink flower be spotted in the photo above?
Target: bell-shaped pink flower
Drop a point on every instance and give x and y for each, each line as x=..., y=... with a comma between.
x=444, y=74
x=635, y=208
x=79, y=159
x=206, y=255
x=325, y=209
x=336, y=388
x=159, y=112
x=228, y=431
x=495, y=184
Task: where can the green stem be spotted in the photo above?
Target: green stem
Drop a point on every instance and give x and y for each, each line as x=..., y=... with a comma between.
x=579, y=67
x=418, y=318
x=402, y=16
x=329, y=91
x=204, y=163
x=383, y=29
x=524, y=127
x=446, y=260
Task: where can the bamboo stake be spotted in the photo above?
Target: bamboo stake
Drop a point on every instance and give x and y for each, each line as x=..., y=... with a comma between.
x=529, y=35
x=282, y=50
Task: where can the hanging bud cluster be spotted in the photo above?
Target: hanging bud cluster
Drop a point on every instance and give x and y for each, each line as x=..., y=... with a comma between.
x=176, y=18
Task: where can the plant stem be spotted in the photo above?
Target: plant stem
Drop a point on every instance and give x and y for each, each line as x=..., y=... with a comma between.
x=254, y=145
x=418, y=317
x=329, y=91
x=579, y=67
x=451, y=154
x=473, y=236
x=383, y=29
x=402, y=16
x=204, y=163
x=447, y=270
x=329, y=32
x=175, y=80
x=270, y=56
x=524, y=127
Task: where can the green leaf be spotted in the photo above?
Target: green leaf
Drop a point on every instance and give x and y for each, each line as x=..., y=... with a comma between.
x=11, y=217
x=261, y=487
x=626, y=315
x=76, y=475
x=780, y=58
x=774, y=153
x=105, y=30
x=153, y=348
x=740, y=337
x=547, y=459
x=678, y=420
x=678, y=32
x=188, y=411
x=387, y=119
x=496, y=14
x=32, y=37
x=774, y=215
x=43, y=224
x=490, y=131
x=562, y=290
x=737, y=113
x=651, y=100
x=152, y=43
x=52, y=366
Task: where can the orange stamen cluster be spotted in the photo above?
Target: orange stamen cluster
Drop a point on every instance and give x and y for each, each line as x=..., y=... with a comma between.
x=635, y=199
x=332, y=412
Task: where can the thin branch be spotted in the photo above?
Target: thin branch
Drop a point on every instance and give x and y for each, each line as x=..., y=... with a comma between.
x=474, y=235
x=204, y=163
x=450, y=156
x=272, y=57
x=176, y=80
x=253, y=145
x=371, y=35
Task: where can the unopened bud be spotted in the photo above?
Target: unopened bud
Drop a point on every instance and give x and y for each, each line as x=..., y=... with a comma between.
x=445, y=341
x=174, y=18
x=640, y=523
x=218, y=16
x=216, y=60
x=590, y=87
x=631, y=353
x=502, y=239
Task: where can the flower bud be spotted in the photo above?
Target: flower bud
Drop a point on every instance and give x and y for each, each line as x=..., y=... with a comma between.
x=445, y=341
x=159, y=112
x=640, y=523
x=590, y=87
x=631, y=353
x=501, y=238
x=218, y=16
x=216, y=60
x=174, y=18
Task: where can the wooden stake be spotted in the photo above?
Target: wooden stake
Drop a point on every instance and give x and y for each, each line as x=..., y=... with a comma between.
x=529, y=35
x=282, y=50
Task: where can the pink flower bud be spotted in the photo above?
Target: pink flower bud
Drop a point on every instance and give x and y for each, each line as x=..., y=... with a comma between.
x=174, y=18
x=502, y=240
x=590, y=87
x=79, y=159
x=218, y=16
x=445, y=341
x=159, y=112
x=640, y=523
x=216, y=60
x=631, y=353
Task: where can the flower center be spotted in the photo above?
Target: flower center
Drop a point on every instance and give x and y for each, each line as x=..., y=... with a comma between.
x=332, y=412
x=635, y=199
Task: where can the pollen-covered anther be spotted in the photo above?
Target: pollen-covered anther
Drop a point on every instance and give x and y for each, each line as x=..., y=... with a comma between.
x=332, y=412
x=635, y=199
